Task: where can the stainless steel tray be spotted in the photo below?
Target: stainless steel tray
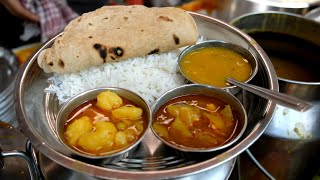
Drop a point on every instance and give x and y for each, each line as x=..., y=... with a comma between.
x=52, y=171
x=36, y=111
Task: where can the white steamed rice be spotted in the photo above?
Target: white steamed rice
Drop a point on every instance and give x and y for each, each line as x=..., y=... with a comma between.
x=148, y=76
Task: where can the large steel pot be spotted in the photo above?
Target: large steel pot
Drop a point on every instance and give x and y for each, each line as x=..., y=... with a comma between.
x=230, y=9
x=292, y=139
x=36, y=111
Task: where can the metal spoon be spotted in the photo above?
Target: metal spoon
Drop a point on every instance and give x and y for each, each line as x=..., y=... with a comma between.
x=280, y=98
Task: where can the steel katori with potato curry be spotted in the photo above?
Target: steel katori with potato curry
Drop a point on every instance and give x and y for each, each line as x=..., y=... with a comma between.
x=195, y=121
x=105, y=125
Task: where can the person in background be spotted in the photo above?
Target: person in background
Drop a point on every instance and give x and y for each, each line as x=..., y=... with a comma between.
x=12, y=16
x=50, y=16
x=28, y=21
x=22, y=16
x=83, y=6
x=17, y=9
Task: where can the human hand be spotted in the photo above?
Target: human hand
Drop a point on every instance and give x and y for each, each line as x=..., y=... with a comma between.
x=16, y=9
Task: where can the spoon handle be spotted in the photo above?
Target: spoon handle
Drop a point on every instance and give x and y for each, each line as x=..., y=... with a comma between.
x=280, y=98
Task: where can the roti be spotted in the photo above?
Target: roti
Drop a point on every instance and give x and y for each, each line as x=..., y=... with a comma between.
x=114, y=33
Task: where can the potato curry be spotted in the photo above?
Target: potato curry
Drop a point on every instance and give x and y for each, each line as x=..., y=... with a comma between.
x=195, y=121
x=104, y=125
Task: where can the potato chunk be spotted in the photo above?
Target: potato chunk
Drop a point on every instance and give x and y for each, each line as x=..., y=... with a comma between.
x=139, y=126
x=227, y=113
x=131, y=135
x=102, y=137
x=128, y=122
x=220, y=126
x=187, y=113
x=93, y=141
x=179, y=129
x=215, y=121
x=77, y=128
x=161, y=130
x=173, y=110
x=127, y=112
x=106, y=128
x=211, y=107
x=108, y=100
x=121, y=139
x=204, y=138
x=121, y=126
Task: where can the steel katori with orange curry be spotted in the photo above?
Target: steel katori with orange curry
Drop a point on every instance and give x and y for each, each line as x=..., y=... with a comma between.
x=105, y=125
x=195, y=121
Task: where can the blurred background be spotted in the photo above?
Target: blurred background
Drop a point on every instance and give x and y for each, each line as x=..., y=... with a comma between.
x=25, y=20
x=289, y=147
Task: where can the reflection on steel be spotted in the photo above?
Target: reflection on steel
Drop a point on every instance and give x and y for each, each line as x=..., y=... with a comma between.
x=32, y=167
x=30, y=152
x=313, y=14
x=259, y=165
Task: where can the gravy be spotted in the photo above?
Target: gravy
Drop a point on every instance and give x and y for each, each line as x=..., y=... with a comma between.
x=293, y=58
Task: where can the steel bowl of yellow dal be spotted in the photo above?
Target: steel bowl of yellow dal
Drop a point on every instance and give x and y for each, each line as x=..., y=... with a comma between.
x=212, y=62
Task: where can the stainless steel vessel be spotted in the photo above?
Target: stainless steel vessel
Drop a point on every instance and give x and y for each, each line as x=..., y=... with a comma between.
x=292, y=139
x=230, y=9
x=36, y=111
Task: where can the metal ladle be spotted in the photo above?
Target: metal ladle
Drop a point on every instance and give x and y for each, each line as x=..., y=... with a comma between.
x=280, y=98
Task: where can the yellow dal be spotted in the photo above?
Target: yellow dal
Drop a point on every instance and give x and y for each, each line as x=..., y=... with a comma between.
x=212, y=65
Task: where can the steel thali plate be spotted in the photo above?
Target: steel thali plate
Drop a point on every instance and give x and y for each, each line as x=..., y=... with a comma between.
x=36, y=111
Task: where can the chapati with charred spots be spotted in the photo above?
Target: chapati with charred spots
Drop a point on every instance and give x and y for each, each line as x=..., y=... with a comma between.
x=114, y=33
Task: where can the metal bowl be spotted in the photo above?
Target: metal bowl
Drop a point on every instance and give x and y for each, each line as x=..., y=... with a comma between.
x=230, y=9
x=212, y=92
x=37, y=110
x=292, y=137
x=81, y=98
x=294, y=26
x=234, y=47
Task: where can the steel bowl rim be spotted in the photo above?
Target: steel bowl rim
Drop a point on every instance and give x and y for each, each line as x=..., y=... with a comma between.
x=297, y=5
x=219, y=42
x=97, y=171
x=299, y=82
x=238, y=19
x=200, y=150
x=268, y=13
